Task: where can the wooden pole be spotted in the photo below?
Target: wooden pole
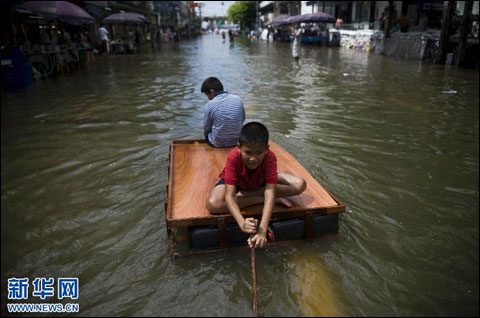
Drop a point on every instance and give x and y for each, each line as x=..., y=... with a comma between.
x=254, y=282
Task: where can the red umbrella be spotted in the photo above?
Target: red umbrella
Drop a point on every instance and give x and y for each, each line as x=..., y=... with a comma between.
x=61, y=10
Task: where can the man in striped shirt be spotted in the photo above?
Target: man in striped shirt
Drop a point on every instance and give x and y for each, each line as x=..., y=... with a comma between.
x=224, y=115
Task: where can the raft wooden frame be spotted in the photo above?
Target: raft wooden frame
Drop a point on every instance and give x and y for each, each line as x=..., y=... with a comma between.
x=302, y=208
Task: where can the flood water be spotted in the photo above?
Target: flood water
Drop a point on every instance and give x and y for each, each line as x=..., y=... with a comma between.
x=84, y=162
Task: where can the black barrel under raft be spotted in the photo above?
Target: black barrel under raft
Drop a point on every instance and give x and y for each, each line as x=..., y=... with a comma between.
x=207, y=238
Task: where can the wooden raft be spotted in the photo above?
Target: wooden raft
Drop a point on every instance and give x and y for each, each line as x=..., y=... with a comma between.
x=193, y=172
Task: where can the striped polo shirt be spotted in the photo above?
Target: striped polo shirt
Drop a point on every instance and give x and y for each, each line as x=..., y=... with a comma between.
x=223, y=119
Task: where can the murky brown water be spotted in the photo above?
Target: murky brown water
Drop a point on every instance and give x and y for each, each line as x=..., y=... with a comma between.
x=84, y=165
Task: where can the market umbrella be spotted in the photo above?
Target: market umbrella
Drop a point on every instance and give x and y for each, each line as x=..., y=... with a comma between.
x=61, y=10
x=281, y=19
x=318, y=17
x=295, y=19
x=311, y=17
x=126, y=18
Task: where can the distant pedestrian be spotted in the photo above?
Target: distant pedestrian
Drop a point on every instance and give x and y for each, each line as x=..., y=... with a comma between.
x=176, y=37
x=67, y=38
x=383, y=18
x=297, y=39
x=149, y=39
x=103, y=34
x=403, y=23
x=230, y=35
x=137, y=40
x=158, y=38
x=339, y=22
x=270, y=34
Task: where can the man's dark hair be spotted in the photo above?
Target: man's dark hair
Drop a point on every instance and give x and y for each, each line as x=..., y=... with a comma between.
x=212, y=83
x=253, y=133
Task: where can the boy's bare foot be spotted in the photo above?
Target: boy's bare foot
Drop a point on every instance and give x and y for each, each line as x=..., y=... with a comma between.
x=284, y=202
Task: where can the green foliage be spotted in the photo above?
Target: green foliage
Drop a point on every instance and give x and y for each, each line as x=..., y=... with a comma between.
x=243, y=12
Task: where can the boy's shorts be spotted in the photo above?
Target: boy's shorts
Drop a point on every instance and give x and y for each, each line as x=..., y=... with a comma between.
x=222, y=181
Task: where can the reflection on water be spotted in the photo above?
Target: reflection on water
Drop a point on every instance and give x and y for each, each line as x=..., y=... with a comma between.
x=84, y=168
x=311, y=286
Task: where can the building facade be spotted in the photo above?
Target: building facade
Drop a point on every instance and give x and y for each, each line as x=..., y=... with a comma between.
x=367, y=15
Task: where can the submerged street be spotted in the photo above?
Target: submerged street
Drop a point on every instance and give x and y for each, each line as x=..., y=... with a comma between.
x=85, y=166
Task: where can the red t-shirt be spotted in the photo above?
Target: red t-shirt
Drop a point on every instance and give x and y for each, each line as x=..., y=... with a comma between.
x=236, y=173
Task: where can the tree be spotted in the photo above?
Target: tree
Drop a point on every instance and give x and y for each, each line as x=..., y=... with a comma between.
x=243, y=12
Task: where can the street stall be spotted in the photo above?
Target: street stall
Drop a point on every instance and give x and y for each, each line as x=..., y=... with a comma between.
x=279, y=30
x=55, y=40
x=123, y=38
x=316, y=31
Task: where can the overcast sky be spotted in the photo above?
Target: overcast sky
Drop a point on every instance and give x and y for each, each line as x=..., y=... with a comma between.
x=214, y=8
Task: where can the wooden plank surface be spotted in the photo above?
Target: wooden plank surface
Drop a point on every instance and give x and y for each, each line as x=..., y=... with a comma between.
x=195, y=171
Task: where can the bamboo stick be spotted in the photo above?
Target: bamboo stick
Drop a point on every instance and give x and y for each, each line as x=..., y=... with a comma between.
x=254, y=282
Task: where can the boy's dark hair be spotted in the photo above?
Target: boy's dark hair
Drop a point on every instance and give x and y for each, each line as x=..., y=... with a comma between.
x=211, y=83
x=253, y=133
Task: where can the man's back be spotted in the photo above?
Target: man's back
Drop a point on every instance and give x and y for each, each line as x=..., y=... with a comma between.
x=224, y=117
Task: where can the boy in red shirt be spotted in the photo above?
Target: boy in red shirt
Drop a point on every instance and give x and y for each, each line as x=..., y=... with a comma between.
x=250, y=177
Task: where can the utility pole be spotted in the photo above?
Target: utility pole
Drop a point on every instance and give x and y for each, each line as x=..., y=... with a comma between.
x=389, y=19
x=464, y=30
x=200, y=5
x=256, y=16
x=448, y=11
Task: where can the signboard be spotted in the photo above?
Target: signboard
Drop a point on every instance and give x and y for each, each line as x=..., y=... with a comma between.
x=424, y=6
x=160, y=3
x=167, y=8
